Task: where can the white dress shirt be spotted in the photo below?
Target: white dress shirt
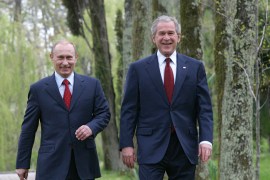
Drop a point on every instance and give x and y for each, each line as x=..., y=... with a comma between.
x=59, y=81
x=162, y=64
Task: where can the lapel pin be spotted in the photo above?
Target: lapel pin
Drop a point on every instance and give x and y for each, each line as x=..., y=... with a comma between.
x=184, y=67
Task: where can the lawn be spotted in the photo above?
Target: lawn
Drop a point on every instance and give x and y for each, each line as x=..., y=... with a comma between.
x=131, y=174
x=265, y=166
x=111, y=175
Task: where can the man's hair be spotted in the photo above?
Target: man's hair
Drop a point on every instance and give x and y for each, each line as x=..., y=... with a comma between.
x=165, y=18
x=63, y=41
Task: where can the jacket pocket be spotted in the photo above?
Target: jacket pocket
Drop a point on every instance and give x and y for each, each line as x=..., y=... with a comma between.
x=144, y=131
x=46, y=148
x=193, y=132
x=90, y=143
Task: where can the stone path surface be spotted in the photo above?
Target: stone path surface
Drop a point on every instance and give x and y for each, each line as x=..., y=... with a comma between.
x=13, y=176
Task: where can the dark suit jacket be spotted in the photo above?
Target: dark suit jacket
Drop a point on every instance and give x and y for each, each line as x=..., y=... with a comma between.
x=58, y=126
x=146, y=110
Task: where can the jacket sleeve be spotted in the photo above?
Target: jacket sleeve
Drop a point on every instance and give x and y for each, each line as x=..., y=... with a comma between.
x=28, y=131
x=129, y=109
x=101, y=112
x=205, y=114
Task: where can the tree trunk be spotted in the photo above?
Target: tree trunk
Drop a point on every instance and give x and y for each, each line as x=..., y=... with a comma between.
x=142, y=21
x=161, y=7
x=17, y=10
x=220, y=44
x=119, y=26
x=103, y=73
x=238, y=55
x=191, y=46
x=190, y=13
x=127, y=38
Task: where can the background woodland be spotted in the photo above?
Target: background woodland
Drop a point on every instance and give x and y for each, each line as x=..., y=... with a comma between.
x=231, y=37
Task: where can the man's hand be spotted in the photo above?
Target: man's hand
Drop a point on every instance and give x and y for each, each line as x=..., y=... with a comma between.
x=128, y=156
x=22, y=173
x=83, y=132
x=205, y=151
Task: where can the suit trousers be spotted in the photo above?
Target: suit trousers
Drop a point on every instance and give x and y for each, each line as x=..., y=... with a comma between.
x=72, y=172
x=175, y=163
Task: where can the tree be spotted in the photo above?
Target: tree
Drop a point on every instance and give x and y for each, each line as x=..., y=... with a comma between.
x=190, y=13
x=141, y=36
x=262, y=87
x=96, y=12
x=127, y=37
x=103, y=72
x=235, y=55
x=18, y=10
x=119, y=26
x=170, y=8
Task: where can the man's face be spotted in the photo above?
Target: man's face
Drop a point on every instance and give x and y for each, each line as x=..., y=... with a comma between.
x=166, y=38
x=64, y=59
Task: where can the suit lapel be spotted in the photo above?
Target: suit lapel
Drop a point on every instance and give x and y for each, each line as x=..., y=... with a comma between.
x=181, y=73
x=77, y=89
x=152, y=67
x=53, y=91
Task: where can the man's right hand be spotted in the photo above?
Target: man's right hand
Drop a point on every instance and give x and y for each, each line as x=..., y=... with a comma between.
x=128, y=156
x=22, y=173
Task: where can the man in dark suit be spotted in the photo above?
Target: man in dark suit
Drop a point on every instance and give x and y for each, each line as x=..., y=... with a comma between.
x=68, y=129
x=164, y=102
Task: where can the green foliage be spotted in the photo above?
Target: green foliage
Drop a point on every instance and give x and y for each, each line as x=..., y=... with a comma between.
x=265, y=147
x=213, y=169
x=18, y=67
x=264, y=55
x=265, y=121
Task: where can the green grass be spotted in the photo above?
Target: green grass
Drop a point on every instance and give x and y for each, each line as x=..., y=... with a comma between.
x=124, y=175
x=265, y=166
x=132, y=174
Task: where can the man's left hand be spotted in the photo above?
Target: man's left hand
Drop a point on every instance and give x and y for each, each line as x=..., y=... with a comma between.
x=83, y=132
x=205, y=151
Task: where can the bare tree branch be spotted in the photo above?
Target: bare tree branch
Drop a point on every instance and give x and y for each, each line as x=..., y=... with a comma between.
x=264, y=28
x=249, y=84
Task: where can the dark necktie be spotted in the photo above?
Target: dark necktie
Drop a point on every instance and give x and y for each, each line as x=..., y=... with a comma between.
x=67, y=93
x=168, y=80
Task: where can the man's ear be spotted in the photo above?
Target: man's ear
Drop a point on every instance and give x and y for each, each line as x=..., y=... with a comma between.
x=179, y=38
x=153, y=39
x=51, y=56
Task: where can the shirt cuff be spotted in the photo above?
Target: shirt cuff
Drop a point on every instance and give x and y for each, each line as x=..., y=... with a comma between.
x=206, y=142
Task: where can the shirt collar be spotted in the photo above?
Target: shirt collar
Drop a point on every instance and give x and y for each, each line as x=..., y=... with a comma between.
x=161, y=57
x=59, y=79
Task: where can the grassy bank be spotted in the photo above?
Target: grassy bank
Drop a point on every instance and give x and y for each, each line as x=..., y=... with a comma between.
x=131, y=174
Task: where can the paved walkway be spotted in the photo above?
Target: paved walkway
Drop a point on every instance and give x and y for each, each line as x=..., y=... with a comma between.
x=10, y=176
